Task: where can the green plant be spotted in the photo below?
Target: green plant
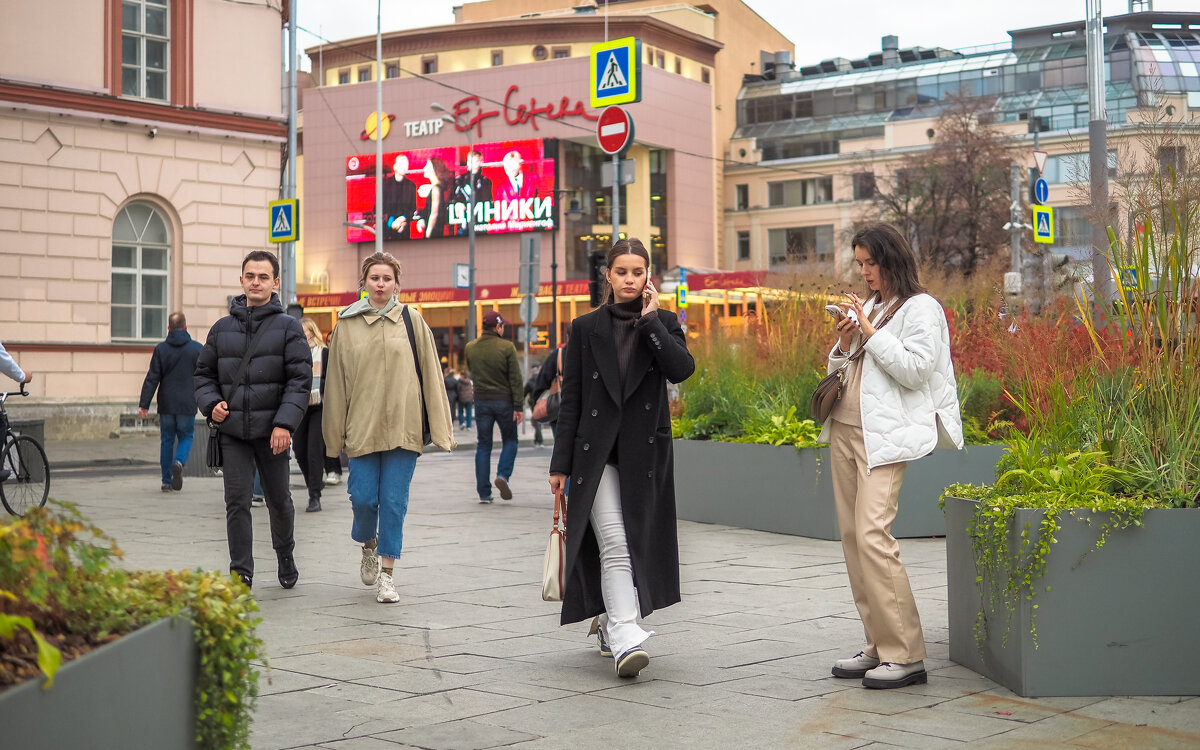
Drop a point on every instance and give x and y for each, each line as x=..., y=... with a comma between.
x=1035, y=474
x=58, y=567
x=783, y=429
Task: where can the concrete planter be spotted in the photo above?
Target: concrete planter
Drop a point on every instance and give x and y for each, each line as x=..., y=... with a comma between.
x=1121, y=621
x=137, y=691
x=790, y=491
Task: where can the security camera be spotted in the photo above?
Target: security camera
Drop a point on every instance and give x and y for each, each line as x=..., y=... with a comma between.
x=153, y=132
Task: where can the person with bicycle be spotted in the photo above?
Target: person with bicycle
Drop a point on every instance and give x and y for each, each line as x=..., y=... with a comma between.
x=256, y=408
x=10, y=368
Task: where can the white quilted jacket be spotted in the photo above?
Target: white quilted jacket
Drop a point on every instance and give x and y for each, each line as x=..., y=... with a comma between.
x=909, y=396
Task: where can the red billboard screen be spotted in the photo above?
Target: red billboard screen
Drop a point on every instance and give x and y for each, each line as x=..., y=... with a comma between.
x=427, y=192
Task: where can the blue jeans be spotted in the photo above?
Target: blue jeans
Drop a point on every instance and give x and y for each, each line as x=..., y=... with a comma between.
x=378, y=487
x=172, y=427
x=466, y=411
x=488, y=414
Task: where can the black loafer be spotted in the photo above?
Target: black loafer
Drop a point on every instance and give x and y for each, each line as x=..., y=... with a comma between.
x=288, y=575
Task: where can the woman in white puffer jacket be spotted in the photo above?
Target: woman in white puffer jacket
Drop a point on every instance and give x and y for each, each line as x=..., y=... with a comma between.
x=899, y=402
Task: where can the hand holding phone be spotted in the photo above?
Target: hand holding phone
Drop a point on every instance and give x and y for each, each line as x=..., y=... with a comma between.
x=838, y=313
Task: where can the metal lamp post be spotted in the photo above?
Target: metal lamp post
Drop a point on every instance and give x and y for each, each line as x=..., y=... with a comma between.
x=471, y=323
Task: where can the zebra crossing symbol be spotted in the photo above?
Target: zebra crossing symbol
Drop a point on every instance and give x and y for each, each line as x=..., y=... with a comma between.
x=284, y=220
x=614, y=72
x=613, y=77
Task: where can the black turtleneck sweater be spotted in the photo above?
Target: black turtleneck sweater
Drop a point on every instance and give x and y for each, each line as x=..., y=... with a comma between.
x=625, y=319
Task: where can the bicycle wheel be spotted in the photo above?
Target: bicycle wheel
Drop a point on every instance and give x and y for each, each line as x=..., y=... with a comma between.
x=28, y=483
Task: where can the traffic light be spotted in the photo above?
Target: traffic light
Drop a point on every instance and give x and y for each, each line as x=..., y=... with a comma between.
x=596, y=269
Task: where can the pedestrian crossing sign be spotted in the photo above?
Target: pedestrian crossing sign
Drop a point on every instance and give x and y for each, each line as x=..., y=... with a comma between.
x=284, y=223
x=1043, y=224
x=615, y=72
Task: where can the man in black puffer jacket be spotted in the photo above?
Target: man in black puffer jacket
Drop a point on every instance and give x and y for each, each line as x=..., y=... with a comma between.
x=257, y=415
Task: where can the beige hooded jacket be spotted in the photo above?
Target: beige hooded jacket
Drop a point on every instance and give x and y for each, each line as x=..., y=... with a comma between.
x=372, y=402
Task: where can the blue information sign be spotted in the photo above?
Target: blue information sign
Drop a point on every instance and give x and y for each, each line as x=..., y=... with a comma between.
x=284, y=218
x=1041, y=191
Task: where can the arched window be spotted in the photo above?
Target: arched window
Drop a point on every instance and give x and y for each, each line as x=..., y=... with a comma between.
x=141, y=248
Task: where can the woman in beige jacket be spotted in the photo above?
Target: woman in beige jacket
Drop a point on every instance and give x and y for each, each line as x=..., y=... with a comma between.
x=379, y=407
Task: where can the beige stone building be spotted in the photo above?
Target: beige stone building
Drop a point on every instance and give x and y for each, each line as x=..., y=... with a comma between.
x=134, y=175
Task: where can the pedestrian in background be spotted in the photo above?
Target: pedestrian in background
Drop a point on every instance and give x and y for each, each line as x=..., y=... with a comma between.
x=530, y=398
x=172, y=368
x=310, y=445
x=451, y=381
x=905, y=374
x=10, y=368
x=377, y=409
x=614, y=448
x=466, y=399
x=499, y=392
x=258, y=413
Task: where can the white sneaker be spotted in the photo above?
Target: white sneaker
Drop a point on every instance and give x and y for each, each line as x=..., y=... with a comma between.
x=854, y=667
x=369, y=569
x=890, y=675
x=332, y=478
x=387, y=590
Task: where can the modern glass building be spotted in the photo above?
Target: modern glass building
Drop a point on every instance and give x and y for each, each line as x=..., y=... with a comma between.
x=837, y=124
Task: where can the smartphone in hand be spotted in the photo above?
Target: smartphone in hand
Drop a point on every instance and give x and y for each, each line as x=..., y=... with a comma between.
x=837, y=313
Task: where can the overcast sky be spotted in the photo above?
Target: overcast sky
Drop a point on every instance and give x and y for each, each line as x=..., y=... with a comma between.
x=820, y=30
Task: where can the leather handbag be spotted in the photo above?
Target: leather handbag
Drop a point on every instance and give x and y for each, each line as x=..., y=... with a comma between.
x=548, y=404
x=829, y=390
x=214, y=458
x=554, y=561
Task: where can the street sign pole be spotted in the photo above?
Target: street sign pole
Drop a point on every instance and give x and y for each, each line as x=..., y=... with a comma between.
x=616, y=199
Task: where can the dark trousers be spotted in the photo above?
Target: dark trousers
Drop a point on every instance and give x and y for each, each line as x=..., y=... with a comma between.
x=240, y=459
x=488, y=415
x=309, y=444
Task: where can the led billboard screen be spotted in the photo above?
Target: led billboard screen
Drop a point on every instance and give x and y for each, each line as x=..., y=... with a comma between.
x=426, y=192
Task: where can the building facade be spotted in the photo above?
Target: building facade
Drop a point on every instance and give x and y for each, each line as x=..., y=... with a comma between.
x=534, y=108
x=814, y=143
x=134, y=175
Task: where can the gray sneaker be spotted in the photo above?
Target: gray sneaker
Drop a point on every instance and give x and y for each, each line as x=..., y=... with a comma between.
x=502, y=485
x=855, y=667
x=891, y=675
x=369, y=569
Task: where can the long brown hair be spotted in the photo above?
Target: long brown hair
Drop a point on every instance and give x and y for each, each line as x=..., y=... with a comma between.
x=894, y=256
x=631, y=246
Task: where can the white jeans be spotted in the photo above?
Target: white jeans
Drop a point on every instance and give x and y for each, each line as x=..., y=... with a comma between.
x=619, y=623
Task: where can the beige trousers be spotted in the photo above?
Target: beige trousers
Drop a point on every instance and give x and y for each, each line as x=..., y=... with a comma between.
x=866, y=508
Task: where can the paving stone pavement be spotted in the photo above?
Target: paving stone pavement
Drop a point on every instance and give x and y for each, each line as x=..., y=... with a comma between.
x=471, y=658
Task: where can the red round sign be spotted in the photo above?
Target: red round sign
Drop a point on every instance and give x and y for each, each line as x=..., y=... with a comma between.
x=614, y=130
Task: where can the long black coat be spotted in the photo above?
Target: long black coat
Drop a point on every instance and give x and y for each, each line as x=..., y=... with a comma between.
x=278, y=376
x=598, y=410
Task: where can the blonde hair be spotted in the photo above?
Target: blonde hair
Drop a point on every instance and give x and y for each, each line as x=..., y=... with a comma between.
x=377, y=259
x=312, y=330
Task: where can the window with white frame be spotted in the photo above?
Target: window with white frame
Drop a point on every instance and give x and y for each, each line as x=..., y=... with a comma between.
x=141, y=249
x=145, y=46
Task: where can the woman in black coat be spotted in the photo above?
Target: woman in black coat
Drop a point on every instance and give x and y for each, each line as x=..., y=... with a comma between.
x=614, y=448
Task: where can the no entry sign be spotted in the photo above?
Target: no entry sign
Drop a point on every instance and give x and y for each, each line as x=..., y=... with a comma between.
x=614, y=130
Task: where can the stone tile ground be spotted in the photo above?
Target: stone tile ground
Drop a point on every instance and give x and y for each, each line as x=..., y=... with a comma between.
x=471, y=658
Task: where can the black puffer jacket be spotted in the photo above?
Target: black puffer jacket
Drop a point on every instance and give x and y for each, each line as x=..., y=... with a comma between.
x=278, y=376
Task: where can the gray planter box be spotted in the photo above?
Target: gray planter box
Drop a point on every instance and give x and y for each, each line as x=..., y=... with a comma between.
x=137, y=691
x=1121, y=621
x=787, y=491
